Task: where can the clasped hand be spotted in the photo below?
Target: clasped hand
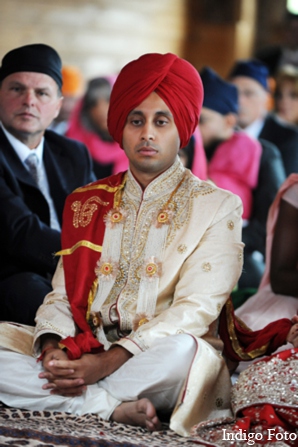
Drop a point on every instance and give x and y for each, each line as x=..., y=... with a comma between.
x=69, y=377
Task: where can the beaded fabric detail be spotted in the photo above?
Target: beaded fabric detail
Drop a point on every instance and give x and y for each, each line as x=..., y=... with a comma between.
x=274, y=381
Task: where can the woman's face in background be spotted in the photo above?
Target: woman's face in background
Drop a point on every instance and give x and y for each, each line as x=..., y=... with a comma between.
x=286, y=100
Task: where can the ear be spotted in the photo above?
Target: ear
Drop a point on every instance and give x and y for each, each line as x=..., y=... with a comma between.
x=231, y=120
x=59, y=104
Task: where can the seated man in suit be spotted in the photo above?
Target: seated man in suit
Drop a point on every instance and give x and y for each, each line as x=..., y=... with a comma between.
x=38, y=169
x=251, y=79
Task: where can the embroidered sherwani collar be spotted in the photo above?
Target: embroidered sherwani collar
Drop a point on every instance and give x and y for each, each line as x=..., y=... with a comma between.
x=164, y=184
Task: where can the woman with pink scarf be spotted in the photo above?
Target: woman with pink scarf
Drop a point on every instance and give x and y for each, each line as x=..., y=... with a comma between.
x=277, y=296
x=88, y=124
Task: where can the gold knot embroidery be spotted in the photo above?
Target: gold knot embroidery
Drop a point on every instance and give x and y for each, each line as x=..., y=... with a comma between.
x=182, y=248
x=151, y=268
x=83, y=213
x=164, y=217
x=230, y=225
x=106, y=270
x=114, y=217
x=206, y=267
x=240, y=256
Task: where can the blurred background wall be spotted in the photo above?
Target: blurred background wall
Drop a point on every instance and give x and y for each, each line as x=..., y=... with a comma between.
x=100, y=36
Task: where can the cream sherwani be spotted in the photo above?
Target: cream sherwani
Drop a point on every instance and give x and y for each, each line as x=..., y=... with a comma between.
x=177, y=258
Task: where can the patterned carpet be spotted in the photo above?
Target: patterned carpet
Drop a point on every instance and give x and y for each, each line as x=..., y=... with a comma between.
x=51, y=429
x=22, y=428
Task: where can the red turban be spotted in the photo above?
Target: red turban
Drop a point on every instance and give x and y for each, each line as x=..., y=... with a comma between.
x=174, y=79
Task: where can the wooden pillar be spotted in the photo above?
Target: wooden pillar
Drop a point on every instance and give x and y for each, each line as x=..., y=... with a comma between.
x=218, y=32
x=245, y=30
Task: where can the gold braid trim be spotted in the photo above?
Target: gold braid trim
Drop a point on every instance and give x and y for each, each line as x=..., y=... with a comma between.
x=119, y=192
x=91, y=297
x=107, y=188
x=92, y=187
x=69, y=251
x=233, y=337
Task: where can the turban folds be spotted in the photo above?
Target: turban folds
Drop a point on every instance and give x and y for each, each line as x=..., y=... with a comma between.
x=174, y=79
x=219, y=95
x=253, y=69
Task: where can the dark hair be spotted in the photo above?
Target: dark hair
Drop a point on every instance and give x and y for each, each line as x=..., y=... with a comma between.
x=97, y=88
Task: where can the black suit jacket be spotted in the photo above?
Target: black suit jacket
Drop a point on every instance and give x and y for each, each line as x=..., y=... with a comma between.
x=26, y=239
x=271, y=176
x=285, y=139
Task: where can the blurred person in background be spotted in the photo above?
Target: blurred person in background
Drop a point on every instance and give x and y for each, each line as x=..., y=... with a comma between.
x=88, y=124
x=251, y=79
x=233, y=163
x=72, y=89
x=233, y=157
x=286, y=94
x=279, y=149
x=193, y=156
x=38, y=170
x=278, y=292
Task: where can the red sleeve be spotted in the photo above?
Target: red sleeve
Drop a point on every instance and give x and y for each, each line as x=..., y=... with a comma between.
x=243, y=344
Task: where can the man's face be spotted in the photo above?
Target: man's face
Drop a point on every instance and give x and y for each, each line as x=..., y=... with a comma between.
x=28, y=104
x=253, y=100
x=213, y=126
x=150, y=139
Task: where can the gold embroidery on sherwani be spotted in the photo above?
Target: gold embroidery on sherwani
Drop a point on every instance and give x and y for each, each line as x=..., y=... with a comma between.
x=142, y=209
x=206, y=267
x=230, y=225
x=83, y=212
x=181, y=248
x=183, y=206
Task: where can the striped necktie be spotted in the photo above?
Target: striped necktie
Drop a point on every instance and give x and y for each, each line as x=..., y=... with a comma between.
x=35, y=170
x=32, y=164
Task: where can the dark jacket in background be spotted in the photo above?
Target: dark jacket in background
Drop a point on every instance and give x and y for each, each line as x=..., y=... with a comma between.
x=26, y=239
x=285, y=138
x=271, y=176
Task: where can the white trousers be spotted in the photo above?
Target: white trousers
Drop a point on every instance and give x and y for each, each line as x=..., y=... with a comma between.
x=158, y=374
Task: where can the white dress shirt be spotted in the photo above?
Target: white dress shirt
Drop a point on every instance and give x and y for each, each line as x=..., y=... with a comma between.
x=254, y=129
